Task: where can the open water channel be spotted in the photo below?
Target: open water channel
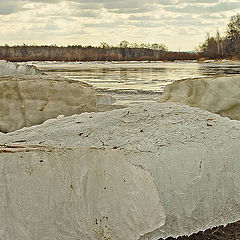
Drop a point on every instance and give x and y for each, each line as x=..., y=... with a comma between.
x=136, y=81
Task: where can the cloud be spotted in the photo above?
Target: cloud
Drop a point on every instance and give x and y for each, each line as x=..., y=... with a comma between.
x=199, y=1
x=131, y=10
x=13, y=6
x=45, y=1
x=166, y=2
x=103, y=25
x=198, y=9
x=94, y=21
x=8, y=7
x=143, y=18
x=90, y=6
x=87, y=14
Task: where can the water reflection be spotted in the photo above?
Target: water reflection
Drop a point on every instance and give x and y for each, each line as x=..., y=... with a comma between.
x=136, y=76
x=219, y=69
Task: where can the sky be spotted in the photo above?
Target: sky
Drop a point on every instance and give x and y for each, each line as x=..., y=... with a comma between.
x=179, y=24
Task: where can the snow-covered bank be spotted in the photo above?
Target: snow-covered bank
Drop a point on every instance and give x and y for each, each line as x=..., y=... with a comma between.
x=11, y=68
x=30, y=100
x=192, y=155
x=218, y=95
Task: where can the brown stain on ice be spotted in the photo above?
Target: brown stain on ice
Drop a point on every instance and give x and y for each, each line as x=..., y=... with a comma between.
x=26, y=148
x=102, y=230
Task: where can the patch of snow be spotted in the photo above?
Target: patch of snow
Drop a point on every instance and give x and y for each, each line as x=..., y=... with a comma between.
x=11, y=68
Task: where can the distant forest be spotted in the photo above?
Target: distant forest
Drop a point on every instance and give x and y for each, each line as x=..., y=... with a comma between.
x=227, y=46
x=124, y=51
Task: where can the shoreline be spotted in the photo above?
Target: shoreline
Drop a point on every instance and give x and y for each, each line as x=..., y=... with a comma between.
x=220, y=61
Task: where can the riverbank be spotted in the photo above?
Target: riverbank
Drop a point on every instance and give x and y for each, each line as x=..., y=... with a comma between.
x=221, y=60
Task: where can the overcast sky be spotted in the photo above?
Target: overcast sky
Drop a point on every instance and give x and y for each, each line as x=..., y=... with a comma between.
x=180, y=24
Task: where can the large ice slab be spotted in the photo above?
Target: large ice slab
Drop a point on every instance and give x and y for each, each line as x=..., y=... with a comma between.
x=193, y=156
x=11, y=68
x=218, y=95
x=30, y=100
x=52, y=193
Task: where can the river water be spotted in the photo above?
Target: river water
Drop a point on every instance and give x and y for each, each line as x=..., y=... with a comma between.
x=136, y=81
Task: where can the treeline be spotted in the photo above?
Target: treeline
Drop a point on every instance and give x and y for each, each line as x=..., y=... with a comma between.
x=227, y=46
x=125, y=51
